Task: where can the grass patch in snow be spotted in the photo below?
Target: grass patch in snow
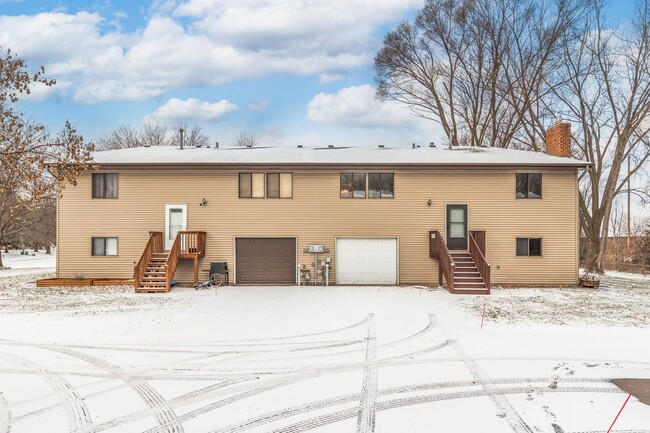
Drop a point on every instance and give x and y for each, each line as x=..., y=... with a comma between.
x=618, y=302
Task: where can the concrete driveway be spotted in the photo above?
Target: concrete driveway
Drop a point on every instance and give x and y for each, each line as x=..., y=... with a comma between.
x=293, y=359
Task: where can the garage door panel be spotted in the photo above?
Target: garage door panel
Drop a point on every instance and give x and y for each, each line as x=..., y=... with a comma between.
x=265, y=260
x=364, y=261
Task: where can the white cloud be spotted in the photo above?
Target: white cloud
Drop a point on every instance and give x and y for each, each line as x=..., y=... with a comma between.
x=259, y=106
x=356, y=106
x=191, y=110
x=327, y=77
x=201, y=43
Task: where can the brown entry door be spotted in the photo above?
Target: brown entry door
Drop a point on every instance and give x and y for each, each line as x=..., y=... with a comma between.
x=457, y=226
x=265, y=261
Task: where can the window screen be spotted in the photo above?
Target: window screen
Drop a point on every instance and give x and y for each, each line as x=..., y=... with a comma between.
x=380, y=185
x=273, y=185
x=529, y=246
x=245, y=185
x=104, y=185
x=529, y=185
x=104, y=246
x=359, y=185
x=346, y=185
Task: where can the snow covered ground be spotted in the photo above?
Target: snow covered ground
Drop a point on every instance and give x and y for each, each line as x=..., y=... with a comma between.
x=335, y=359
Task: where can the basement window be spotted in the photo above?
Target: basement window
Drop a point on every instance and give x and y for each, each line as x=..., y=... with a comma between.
x=353, y=185
x=279, y=185
x=529, y=185
x=251, y=185
x=104, y=246
x=104, y=185
x=529, y=247
x=381, y=185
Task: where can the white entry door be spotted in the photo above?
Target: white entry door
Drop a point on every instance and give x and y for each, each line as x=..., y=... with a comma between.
x=175, y=221
x=366, y=261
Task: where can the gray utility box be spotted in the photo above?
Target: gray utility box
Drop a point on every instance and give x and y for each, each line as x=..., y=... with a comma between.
x=316, y=248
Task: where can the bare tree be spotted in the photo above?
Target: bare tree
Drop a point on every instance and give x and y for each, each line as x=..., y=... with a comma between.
x=247, y=139
x=606, y=93
x=33, y=163
x=153, y=135
x=477, y=67
x=193, y=135
x=122, y=137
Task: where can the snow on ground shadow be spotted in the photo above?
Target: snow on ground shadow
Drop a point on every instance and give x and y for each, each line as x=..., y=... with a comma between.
x=618, y=302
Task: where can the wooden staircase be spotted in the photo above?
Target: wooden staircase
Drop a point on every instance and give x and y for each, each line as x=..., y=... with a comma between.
x=466, y=272
x=467, y=278
x=156, y=268
x=155, y=277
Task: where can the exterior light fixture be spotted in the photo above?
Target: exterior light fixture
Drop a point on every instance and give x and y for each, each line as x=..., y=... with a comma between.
x=204, y=202
x=429, y=202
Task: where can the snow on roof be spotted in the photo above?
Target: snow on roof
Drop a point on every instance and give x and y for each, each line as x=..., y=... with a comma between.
x=434, y=156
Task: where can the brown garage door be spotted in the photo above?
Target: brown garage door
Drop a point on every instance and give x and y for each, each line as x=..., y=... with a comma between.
x=266, y=260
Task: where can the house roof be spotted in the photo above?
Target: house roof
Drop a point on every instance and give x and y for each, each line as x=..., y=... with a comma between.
x=328, y=156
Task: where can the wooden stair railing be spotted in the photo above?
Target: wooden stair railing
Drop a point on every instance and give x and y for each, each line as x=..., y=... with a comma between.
x=154, y=245
x=438, y=250
x=477, y=251
x=187, y=245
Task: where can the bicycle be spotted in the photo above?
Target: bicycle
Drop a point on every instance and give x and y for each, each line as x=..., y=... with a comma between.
x=216, y=280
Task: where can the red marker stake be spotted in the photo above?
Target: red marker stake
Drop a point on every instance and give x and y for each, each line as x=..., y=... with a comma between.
x=619, y=412
x=483, y=315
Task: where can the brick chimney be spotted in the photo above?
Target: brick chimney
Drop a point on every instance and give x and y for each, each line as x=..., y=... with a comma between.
x=558, y=139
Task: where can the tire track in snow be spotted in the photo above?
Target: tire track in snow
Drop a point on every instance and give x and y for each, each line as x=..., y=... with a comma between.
x=366, y=418
x=344, y=414
x=275, y=383
x=289, y=337
x=161, y=409
x=176, y=401
x=349, y=398
x=76, y=410
x=5, y=415
x=500, y=401
x=430, y=326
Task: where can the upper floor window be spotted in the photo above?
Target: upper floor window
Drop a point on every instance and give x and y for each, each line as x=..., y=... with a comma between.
x=529, y=185
x=381, y=185
x=104, y=185
x=353, y=185
x=529, y=246
x=104, y=246
x=279, y=185
x=269, y=185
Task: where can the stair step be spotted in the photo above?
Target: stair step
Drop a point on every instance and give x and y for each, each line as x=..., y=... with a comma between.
x=154, y=279
x=458, y=279
x=150, y=290
x=465, y=291
x=470, y=286
x=152, y=284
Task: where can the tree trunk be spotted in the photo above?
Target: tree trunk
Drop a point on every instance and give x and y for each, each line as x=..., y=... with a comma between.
x=48, y=248
x=595, y=249
x=1, y=261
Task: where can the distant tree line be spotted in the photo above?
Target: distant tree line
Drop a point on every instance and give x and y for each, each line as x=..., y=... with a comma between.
x=125, y=136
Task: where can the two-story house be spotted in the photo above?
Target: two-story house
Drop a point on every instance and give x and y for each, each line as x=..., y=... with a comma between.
x=384, y=215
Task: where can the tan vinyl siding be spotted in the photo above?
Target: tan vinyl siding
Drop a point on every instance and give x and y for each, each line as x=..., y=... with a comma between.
x=316, y=214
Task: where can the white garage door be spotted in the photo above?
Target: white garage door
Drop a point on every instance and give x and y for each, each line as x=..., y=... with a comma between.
x=366, y=261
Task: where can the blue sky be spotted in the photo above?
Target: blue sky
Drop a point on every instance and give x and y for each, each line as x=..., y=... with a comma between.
x=291, y=72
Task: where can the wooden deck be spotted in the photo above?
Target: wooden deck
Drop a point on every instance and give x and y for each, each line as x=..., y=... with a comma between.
x=73, y=282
